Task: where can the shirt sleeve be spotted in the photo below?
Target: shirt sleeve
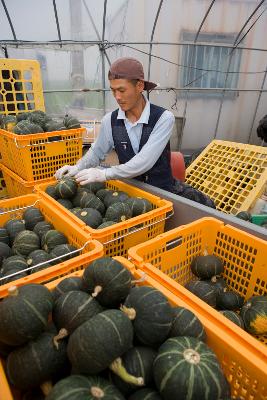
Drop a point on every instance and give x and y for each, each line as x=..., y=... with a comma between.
x=102, y=146
x=150, y=152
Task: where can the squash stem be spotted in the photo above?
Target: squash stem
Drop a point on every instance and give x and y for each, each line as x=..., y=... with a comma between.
x=118, y=369
x=61, y=335
x=46, y=387
x=97, y=290
x=97, y=392
x=130, y=312
x=13, y=291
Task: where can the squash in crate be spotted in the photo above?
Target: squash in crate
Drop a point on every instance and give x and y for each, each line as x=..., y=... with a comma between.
x=254, y=315
x=186, y=323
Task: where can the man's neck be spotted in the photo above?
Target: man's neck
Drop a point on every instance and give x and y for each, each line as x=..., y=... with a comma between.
x=135, y=113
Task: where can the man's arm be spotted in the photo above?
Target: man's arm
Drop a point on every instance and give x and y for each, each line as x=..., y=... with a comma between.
x=150, y=152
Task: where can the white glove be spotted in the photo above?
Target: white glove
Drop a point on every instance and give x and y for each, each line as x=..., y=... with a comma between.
x=66, y=170
x=90, y=175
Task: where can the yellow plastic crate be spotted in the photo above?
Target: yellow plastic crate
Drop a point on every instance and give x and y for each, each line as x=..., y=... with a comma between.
x=118, y=238
x=15, y=185
x=243, y=365
x=234, y=175
x=168, y=258
x=21, y=87
x=89, y=249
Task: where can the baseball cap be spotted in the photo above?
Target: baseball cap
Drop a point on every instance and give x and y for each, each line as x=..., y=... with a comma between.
x=129, y=68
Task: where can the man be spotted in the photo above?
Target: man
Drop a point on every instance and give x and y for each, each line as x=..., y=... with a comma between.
x=138, y=131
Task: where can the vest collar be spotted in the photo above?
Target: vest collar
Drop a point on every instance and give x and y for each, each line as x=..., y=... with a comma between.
x=144, y=117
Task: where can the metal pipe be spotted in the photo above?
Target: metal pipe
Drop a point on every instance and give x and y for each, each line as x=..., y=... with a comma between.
x=57, y=22
x=9, y=20
x=151, y=39
x=101, y=48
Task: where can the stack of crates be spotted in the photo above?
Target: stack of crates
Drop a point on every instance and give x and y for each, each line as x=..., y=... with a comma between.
x=28, y=159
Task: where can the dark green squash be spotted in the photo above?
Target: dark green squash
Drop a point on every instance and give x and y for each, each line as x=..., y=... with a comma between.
x=13, y=227
x=51, y=239
x=71, y=122
x=15, y=262
x=151, y=314
x=90, y=216
x=90, y=200
x=106, y=224
x=218, y=283
x=254, y=315
x=115, y=197
x=64, y=251
x=87, y=347
x=51, y=191
x=5, y=251
x=65, y=203
x=42, y=227
x=234, y=317
x=66, y=188
x=26, y=127
x=204, y=290
x=118, y=212
x=37, y=361
x=207, y=266
x=22, y=116
x=37, y=119
x=139, y=205
x=38, y=257
x=80, y=194
x=31, y=217
x=24, y=313
x=4, y=236
x=75, y=210
x=78, y=387
x=74, y=308
x=68, y=284
x=186, y=368
x=145, y=394
x=229, y=300
x=54, y=126
x=26, y=242
x=246, y=216
x=186, y=323
x=101, y=193
x=108, y=281
x=138, y=362
x=11, y=275
x=94, y=186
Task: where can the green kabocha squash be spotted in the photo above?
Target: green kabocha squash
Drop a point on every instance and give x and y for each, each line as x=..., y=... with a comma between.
x=38, y=119
x=65, y=203
x=90, y=200
x=22, y=116
x=106, y=224
x=71, y=122
x=9, y=121
x=67, y=285
x=38, y=257
x=81, y=192
x=14, y=263
x=139, y=205
x=65, y=251
x=26, y=127
x=74, y=308
x=186, y=368
x=108, y=281
x=246, y=216
x=4, y=237
x=79, y=387
x=51, y=191
x=229, y=300
x=101, y=193
x=42, y=227
x=13, y=227
x=207, y=266
x=115, y=197
x=51, y=239
x=204, y=290
x=5, y=251
x=87, y=346
x=24, y=313
x=254, y=315
x=37, y=361
x=186, y=323
x=31, y=217
x=94, y=186
x=145, y=394
x=151, y=314
x=54, y=126
x=26, y=242
x=118, y=212
x=11, y=275
x=234, y=317
x=218, y=283
x=138, y=362
x=90, y=216
x=66, y=188
x=75, y=210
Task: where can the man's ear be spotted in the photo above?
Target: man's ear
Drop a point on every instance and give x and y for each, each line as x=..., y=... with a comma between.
x=141, y=86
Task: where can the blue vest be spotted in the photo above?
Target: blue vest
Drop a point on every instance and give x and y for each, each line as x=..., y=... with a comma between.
x=160, y=175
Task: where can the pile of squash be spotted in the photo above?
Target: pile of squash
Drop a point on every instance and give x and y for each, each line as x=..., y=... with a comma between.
x=29, y=245
x=101, y=336
x=213, y=289
x=27, y=123
x=96, y=205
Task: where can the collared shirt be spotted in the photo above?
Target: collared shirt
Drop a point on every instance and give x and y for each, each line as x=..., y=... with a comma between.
x=143, y=160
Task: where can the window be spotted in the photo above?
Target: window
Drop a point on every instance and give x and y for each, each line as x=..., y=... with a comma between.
x=209, y=57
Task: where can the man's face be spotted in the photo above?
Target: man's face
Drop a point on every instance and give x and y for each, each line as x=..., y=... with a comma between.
x=126, y=93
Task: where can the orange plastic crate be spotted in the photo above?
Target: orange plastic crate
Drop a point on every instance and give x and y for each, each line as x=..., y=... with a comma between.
x=3, y=191
x=15, y=185
x=243, y=365
x=90, y=249
x=40, y=155
x=118, y=238
x=168, y=257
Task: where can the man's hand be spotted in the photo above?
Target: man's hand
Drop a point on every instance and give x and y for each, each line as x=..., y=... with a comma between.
x=90, y=175
x=66, y=170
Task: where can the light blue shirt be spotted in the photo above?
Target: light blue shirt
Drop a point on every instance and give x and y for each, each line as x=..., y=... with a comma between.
x=145, y=158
